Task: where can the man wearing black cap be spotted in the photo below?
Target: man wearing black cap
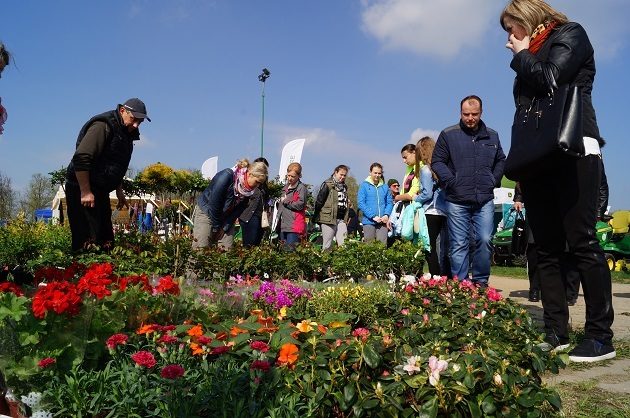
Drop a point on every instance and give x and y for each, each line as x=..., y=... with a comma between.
x=101, y=159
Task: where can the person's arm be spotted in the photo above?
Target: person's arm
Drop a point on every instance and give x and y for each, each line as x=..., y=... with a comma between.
x=567, y=53
x=90, y=147
x=220, y=186
x=602, y=202
x=300, y=203
x=363, y=203
x=440, y=160
x=122, y=199
x=499, y=165
x=389, y=203
x=426, y=182
x=321, y=199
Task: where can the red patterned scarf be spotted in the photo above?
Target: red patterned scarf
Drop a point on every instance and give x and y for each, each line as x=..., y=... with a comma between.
x=540, y=35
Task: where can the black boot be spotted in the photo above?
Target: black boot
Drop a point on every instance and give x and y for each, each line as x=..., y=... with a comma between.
x=534, y=295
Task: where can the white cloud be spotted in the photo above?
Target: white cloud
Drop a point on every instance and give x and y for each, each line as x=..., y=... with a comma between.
x=442, y=28
x=421, y=133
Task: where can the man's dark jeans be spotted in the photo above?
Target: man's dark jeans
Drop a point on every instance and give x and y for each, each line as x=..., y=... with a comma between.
x=89, y=225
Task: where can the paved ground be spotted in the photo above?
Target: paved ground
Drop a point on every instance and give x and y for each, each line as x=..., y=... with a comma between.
x=612, y=375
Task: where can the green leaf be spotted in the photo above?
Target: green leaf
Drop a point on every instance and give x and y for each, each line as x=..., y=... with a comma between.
x=488, y=405
x=371, y=357
x=348, y=393
x=554, y=399
x=475, y=412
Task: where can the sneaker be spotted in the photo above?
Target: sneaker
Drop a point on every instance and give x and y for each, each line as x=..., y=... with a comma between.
x=591, y=350
x=534, y=295
x=553, y=343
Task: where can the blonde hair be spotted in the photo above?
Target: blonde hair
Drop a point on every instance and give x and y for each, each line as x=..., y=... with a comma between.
x=297, y=167
x=258, y=170
x=531, y=13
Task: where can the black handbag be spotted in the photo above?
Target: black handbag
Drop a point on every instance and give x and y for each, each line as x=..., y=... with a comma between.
x=519, y=234
x=549, y=124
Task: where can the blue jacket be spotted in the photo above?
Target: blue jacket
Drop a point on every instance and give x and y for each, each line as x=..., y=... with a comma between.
x=431, y=196
x=219, y=202
x=374, y=200
x=469, y=165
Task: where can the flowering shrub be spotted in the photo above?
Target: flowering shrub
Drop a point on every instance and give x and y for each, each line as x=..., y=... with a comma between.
x=277, y=295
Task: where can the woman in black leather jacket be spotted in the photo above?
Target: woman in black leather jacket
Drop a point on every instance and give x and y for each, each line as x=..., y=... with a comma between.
x=562, y=197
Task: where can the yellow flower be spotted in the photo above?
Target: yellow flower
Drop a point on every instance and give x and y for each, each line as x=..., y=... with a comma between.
x=338, y=324
x=306, y=326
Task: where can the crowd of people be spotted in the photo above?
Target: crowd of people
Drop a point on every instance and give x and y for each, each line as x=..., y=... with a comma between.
x=448, y=185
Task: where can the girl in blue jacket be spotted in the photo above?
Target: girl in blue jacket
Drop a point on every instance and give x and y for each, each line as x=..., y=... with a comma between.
x=376, y=202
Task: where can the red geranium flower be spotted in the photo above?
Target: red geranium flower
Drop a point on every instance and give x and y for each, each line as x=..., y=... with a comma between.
x=204, y=340
x=168, y=286
x=220, y=350
x=96, y=279
x=144, y=359
x=45, y=362
x=260, y=365
x=260, y=346
x=142, y=281
x=61, y=297
x=9, y=287
x=116, y=340
x=172, y=371
x=167, y=339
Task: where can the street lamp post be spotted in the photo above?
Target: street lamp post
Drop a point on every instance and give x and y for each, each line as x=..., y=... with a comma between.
x=262, y=78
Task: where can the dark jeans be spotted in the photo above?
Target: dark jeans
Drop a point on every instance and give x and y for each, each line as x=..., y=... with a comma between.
x=290, y=239
x=89, y=225
x=434, y=225
x=562, y=207
x=251, y=231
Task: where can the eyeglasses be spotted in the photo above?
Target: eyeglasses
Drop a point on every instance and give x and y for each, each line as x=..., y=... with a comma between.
x=395, y=185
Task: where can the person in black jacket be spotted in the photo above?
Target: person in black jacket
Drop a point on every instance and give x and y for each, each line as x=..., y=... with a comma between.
x=101, y=159
x=223, y=201
x=562, y=197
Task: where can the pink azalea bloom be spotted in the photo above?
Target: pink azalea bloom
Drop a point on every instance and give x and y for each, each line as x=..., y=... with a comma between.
x=404, y=311
x=425, y=318
x=435, y=368
x=426, y=301
x=411, y=366
x=493, y=294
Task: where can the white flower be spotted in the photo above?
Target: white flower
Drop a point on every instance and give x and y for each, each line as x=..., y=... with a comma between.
x=409, y=278
x=412, y=365
x=42, y=414
x=32, y=400
x=456, y=367
x=497, y=379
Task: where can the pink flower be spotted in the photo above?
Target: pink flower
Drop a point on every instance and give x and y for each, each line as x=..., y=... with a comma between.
x=172, y=371
x=404, y=311
x=45, y=362
x=411, y=366
x=116, y=340
x=425, y=318
x=261, y=365
x=167, y=339
x=425, y=301
x=204, y=340
x=361, y=333
x=493, y=294
x=435, y=368
x=259, y=346
x=144, y=359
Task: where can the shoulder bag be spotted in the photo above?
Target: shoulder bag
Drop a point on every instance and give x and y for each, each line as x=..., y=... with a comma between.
x=549, y=124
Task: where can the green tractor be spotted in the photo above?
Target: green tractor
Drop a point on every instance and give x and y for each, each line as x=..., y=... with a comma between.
x=614, y=238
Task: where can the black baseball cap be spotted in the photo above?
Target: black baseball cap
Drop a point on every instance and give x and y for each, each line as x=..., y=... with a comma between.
x=137, y=108
x=392, y=181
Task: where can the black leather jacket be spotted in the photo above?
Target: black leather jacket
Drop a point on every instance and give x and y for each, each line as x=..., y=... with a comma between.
x=568, y=55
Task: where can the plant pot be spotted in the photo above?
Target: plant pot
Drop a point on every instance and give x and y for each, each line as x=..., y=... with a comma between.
x=15, y=409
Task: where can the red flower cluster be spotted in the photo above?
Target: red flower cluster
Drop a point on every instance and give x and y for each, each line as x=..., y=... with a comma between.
x=45, y=362
x=493, y=294
x=55, y=274
x=167, y=339
x=260, y=365
x=172, y=371
x=116, y=340
x=222, y=349
x=167, y=285
x=361, y=333
x=144, y=359
x=60, y=297
x=259, y=346
x=10, y=287
x=141, y=280
x=96, y=280
x=204, y=340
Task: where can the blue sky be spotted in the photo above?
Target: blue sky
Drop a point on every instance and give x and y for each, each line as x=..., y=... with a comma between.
x=358, y=79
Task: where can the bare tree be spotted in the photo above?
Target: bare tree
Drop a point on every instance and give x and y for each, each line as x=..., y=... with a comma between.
x=7, y=198
x=39, y=194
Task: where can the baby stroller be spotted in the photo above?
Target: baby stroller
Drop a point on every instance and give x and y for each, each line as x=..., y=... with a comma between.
x=510, y=241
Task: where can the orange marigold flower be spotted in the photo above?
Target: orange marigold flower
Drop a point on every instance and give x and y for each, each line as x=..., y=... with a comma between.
x=146, y=329
x=236, y=330
x=288, y=354
x=222, y=336
x=322, y=329
x=266, y=322
x=195, y=331
x=306, y=326
x=268, y=330
x=196, y=349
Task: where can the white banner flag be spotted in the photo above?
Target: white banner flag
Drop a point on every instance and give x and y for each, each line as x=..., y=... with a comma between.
x=209, y=167
x=291, y=153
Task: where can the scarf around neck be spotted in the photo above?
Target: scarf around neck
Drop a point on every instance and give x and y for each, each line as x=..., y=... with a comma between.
x=241, y=187
x=540, y=35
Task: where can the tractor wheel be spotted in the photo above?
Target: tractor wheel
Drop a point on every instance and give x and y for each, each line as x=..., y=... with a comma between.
x=610, y=260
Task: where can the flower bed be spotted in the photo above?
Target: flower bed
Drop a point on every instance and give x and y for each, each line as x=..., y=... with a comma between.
x=95, y=341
